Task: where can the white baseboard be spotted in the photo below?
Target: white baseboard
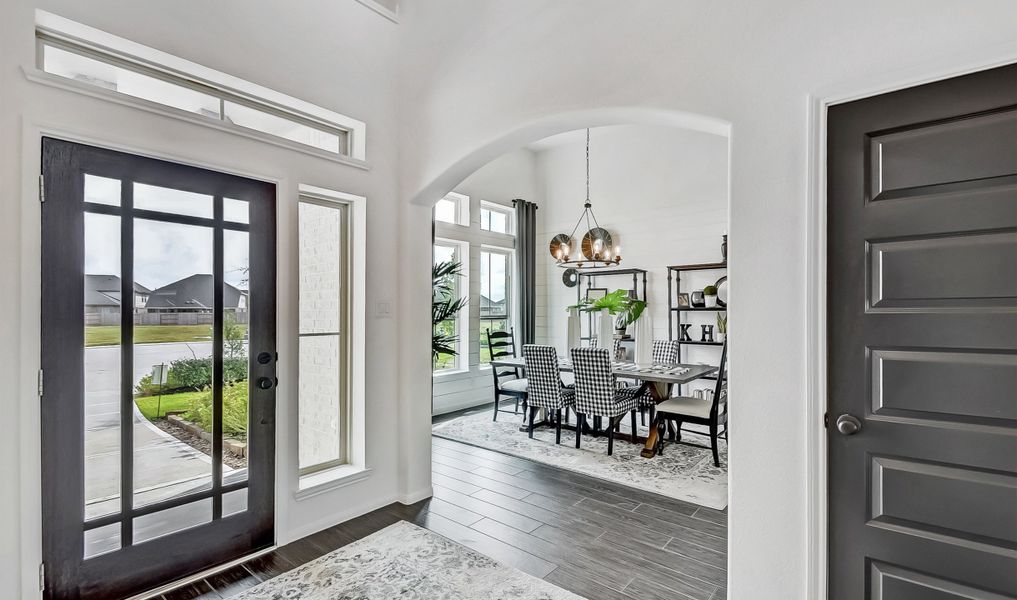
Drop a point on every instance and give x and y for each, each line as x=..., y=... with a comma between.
x=417, y=496
x=337, y=518
x=459, y=406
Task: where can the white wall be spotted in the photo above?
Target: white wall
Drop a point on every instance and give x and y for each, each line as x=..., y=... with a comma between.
x=661, y=192
x=513, y=175
x=480, y=78
x=340, y=55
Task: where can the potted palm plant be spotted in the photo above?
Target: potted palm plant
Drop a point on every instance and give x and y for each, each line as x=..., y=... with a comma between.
x=445, y=306
x=624, y=308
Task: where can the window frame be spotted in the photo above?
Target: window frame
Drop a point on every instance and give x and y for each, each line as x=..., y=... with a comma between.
x=346, y=304
x=509, y=254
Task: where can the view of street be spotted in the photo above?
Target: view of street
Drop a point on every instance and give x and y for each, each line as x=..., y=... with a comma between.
x=164, y=466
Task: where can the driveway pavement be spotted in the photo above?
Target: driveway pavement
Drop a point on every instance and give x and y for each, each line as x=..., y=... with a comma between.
x=164, y=466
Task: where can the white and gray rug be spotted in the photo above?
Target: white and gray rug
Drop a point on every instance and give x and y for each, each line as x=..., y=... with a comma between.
x=683, y=472
x=406, y=562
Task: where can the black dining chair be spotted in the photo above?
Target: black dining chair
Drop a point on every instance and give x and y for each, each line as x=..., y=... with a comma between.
x=711, y=412
x=546, y=389
x=664, y=352
x=597, y=394
x=507, y=381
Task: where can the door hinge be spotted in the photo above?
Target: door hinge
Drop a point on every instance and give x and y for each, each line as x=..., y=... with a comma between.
x=42, y=577
x=40, y=383
x=42, y=188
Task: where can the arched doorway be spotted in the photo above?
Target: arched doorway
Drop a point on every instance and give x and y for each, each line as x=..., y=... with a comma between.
x=417, y=231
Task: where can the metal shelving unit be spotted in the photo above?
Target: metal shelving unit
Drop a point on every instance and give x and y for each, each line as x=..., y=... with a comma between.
x=675, y=313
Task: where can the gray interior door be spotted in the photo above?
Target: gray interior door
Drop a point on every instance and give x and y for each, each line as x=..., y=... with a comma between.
x=922, y=304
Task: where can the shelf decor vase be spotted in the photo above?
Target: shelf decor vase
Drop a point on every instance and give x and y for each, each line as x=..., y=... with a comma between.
x=573, y=334
x=643, y=339
x=605, y=335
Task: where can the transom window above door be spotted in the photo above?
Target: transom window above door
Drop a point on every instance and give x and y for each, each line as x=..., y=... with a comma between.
x=74, y=56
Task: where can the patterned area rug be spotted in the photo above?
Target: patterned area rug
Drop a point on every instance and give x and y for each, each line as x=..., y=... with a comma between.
x=406, y=562
x=683, y=472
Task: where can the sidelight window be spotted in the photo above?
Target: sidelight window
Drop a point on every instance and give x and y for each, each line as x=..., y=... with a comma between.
x=324, y=292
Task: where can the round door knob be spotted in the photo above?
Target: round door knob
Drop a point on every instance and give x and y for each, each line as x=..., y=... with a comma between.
x=848, y=425
x=265, y=383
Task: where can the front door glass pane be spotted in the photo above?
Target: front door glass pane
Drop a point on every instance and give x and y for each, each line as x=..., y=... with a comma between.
x=102, y=540
x=172, y=362
x=172, y=520
x=236, y=317
x=102, y=365
x=235, y=211
x=102, y=190
x=168, y=200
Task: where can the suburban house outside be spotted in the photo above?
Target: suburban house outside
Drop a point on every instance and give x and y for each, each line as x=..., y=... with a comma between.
x=102, y=299
x=189, y=302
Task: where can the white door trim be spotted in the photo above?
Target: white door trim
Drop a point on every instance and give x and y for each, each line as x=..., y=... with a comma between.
x=943, y=67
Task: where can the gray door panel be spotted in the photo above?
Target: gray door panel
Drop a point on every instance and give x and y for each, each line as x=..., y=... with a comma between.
x=922, y=328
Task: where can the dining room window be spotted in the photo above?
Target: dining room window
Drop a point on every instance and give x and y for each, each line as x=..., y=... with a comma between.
x=495, y=295
x=448, y=288
x=495, y=218
x=323, y=305
x=453, y=209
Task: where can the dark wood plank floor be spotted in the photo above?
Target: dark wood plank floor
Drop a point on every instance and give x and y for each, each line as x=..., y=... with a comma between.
x=599, y=540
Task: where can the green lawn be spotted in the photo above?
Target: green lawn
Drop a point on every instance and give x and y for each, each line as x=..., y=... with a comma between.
x=170, y=402
x=109, y=335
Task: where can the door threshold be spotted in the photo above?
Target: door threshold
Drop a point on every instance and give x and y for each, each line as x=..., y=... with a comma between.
x=169, y=587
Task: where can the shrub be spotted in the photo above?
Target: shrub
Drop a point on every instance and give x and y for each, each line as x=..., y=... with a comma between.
x=194, y=374
x=234, y=410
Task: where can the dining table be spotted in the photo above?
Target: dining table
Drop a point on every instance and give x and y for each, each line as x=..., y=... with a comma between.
x=655, y=379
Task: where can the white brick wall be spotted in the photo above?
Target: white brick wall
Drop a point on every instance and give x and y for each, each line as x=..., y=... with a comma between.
x=321, y=387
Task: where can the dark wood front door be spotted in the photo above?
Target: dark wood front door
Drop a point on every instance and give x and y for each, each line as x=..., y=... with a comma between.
x=158, y=370
x=922, y=304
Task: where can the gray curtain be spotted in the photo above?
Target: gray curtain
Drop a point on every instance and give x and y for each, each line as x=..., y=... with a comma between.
x=526, y=265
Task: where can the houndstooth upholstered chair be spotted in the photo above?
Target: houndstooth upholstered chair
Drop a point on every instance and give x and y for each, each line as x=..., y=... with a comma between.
x=664, y=351
x=597, y=395
x=545, y=389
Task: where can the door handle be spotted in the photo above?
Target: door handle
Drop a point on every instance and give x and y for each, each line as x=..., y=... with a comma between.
x=265, y=383
x=848, y=425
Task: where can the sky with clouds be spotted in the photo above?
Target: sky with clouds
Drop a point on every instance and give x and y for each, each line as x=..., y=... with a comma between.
x=163, y=252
